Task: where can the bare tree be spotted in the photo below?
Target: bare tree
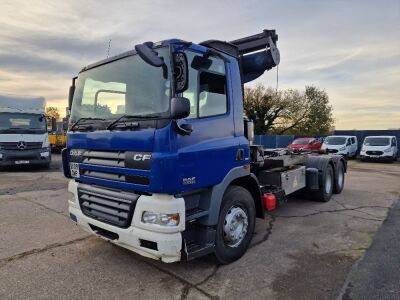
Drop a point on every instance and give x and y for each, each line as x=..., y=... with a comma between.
x=290, y=111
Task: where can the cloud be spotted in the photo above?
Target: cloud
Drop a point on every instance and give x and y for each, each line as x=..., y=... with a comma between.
x=352, y=49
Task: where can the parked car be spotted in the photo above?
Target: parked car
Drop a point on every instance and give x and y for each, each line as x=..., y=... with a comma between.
x=305, y=144
x=345, y=145
x=379, y=147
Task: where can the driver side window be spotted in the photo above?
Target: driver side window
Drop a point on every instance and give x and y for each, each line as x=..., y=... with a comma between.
x=207, y=86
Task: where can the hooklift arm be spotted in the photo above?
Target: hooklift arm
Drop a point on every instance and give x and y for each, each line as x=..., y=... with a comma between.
x=256, y=42
x=255, y=64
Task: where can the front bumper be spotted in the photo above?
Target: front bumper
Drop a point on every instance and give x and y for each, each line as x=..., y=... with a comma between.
x=24, y=157
x=153, y=241
x=384, y=156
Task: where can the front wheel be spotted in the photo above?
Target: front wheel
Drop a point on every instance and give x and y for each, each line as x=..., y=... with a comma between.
x=236, y=223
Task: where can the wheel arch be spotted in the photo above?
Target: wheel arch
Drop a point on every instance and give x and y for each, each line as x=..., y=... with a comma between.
x=251, y=184
x=240, y=176
x=321, y=163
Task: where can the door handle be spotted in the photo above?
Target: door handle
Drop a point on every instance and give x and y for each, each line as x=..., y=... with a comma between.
x=240, y=154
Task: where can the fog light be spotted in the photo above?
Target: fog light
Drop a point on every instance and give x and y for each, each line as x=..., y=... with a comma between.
x=45, y=154
x=149, y=217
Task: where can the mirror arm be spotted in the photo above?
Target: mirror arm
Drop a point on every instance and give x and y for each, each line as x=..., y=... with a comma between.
x=184, y=129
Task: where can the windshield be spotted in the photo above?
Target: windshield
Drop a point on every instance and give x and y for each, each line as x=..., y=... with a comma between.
x=335, y=140
x=125, y=86
x=22, y=123
x=301, y=142
x=376, y=141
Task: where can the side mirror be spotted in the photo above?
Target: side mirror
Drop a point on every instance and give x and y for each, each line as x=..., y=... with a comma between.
x=201, y=62
x=180, y=108
x=180, y=72
x=71, y=93
x=53, y=124
x=150, y=56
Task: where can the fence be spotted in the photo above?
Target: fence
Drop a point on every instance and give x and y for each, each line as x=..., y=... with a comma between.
x=281, y=141
x=273, y=141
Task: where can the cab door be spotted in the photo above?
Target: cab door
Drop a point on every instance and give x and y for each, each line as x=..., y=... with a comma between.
x=210, y=151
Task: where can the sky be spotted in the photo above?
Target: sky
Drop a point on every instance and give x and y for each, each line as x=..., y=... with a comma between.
x=349, y=48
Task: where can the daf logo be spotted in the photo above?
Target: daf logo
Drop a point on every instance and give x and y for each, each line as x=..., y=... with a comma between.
x=141, y=157
x=21, y=145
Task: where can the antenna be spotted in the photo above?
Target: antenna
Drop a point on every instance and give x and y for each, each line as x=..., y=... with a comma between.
x=109, y=47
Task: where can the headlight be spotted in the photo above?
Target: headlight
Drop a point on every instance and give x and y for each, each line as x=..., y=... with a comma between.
x=388, y=150
x=1, y=156
x=45, y=143
x=342, y=149
x=45, y=154
x=169, y=220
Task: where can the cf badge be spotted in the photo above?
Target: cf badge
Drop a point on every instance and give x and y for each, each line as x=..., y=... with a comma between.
x=138, y=160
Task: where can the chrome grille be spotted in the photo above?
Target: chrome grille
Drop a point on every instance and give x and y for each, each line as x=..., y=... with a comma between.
x=14, y=146
x=104, y=158
x=105, y=205
x=332, y=150
x=110, y=159
x=374, y=152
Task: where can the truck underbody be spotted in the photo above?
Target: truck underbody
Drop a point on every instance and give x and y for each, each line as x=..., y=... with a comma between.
x=273, y=172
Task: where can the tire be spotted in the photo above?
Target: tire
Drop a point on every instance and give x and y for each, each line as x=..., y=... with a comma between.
x=339, y=179
x=237, y=204
x=325, y=191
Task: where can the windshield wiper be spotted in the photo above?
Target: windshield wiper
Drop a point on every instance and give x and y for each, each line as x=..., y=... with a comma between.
x=83, y=119
x=116, y=121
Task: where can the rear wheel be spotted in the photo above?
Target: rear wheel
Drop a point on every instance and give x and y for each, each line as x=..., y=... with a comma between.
x=325, y=191
x=339, y=179
x=235, y=225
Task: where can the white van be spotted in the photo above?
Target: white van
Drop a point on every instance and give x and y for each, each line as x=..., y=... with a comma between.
x=23, y=131
x=379, y=147
x=345, y=145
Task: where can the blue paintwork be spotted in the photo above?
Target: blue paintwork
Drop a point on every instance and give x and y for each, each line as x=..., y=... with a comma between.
x=208, y=154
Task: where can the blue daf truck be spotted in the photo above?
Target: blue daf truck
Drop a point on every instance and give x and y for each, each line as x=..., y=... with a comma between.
x=161, y=158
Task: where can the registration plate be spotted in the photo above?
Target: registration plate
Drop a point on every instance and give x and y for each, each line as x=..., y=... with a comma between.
x=21, y=162
x=74, y=168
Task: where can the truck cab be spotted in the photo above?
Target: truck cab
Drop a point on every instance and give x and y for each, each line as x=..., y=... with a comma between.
x=23, y=132
x=159, y=153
